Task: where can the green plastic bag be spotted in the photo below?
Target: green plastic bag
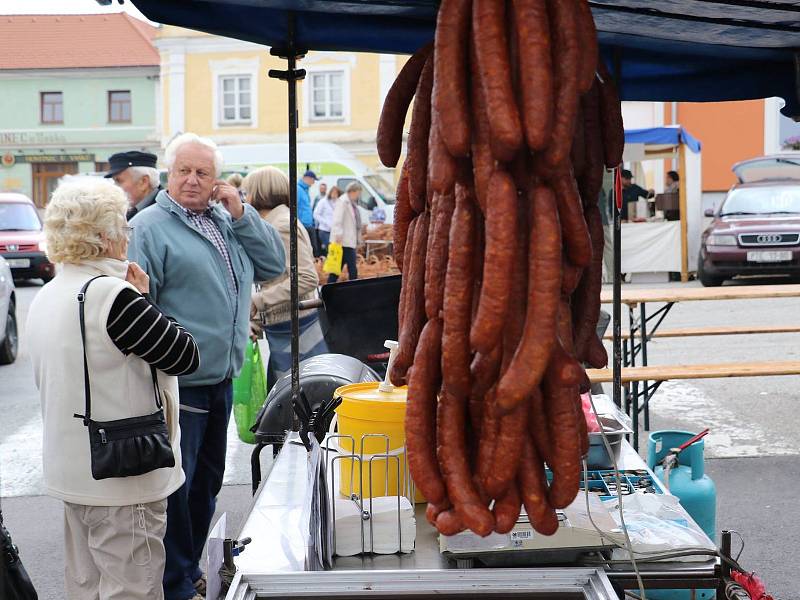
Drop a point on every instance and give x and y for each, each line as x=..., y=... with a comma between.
x=249, y=392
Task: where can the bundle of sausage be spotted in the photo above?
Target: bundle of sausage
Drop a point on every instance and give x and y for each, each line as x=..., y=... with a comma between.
x=498, y=234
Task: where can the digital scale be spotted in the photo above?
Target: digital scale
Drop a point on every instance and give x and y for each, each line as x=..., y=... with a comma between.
x=576, y=534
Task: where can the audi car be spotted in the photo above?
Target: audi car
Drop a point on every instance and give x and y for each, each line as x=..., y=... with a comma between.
x=22, y=239
x=756, y=229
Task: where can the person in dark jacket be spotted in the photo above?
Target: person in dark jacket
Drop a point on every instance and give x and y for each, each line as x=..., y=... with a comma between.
x=136, y=173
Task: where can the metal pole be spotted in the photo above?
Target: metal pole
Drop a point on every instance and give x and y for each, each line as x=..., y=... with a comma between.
x=291, y=75
x=617, y=303
x=293, y=274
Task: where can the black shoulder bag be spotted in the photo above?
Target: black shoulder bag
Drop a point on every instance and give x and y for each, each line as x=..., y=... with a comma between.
x=15, y=584
x=125, y=447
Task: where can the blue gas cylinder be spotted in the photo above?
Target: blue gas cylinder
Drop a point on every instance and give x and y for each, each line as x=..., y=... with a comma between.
x=689, y=483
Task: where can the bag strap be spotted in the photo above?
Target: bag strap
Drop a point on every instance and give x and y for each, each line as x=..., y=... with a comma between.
x=87, y=391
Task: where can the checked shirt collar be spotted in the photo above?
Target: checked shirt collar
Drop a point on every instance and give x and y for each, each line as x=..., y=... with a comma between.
x=203, y=222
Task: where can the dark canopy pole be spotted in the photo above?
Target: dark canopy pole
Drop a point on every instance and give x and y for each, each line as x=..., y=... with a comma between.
x=291, y=76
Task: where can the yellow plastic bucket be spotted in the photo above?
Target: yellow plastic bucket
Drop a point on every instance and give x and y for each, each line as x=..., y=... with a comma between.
x=366, y=413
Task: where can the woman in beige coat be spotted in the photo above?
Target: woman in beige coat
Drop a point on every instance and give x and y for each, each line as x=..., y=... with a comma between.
x=346, y=229
x=267, y=190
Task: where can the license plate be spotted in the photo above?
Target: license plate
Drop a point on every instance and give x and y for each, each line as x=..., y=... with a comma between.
x=19, y=263
x=769, y=256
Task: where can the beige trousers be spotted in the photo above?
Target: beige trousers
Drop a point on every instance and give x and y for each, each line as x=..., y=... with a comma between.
x=114, y=552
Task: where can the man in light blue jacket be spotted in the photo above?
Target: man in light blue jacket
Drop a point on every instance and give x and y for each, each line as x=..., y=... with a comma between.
x=202, y=248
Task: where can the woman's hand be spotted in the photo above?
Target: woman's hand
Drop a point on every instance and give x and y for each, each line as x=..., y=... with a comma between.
x=138, y=278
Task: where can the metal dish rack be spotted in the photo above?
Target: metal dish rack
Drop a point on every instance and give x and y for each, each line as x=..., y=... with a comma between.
x=405, y=486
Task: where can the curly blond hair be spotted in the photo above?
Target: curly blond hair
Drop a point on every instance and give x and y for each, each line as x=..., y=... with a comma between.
x=83, y=215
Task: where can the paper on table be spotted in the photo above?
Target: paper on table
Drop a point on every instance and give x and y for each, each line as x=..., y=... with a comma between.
x=384, y=526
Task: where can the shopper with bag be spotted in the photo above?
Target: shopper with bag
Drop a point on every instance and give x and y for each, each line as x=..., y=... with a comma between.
x=267, y=190
x=105, y=362
x=346, y=230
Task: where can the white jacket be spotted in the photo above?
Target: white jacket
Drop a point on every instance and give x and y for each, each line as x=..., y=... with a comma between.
x=345, y=229
x=323, y=213
x=121, y=387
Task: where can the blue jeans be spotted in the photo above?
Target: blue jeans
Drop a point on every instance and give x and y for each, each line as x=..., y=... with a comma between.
x=349, y=259
x=323, y=237
x=204, y=415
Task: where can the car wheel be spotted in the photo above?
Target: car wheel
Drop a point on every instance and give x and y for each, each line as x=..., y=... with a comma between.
x=10, y=344
x=705, y=279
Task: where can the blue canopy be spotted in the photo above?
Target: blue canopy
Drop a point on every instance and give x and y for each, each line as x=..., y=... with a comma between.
x=662, y=136
x=671, y=50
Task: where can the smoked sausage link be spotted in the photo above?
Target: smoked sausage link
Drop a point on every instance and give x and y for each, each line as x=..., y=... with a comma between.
x=544, y=287
x=450, y=101
x=577, y=244
x=482, y=160
x=501, y=229
x=566, y=59
x=458, y=289
x=393, y=114
x=403, y=216
x=533, y=489
x=535, y=70
x=436, y=260
x=418, y=140
x=491, y=51
x=564, y=436
x=413, y=301
x=611, y=120
x=420, y=419
x=454, y=463
x=506, y=509
x=587, y=40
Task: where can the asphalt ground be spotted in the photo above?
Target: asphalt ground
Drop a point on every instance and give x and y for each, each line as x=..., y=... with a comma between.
x=752, y=452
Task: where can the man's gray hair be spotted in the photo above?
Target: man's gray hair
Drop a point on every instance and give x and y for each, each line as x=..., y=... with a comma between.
x=192, y=138
x=150, y=172
x=353, y=186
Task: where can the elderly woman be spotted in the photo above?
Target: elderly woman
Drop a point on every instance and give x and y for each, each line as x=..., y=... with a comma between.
x=114, y=526
x=267, y=190
x=346, y=229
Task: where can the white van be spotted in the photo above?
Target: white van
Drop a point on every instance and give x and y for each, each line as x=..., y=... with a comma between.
x=333, y=165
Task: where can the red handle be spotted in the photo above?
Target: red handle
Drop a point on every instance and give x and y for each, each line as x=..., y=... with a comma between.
x=691, y=441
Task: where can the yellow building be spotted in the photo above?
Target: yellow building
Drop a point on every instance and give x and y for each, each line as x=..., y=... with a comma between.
x=218, y=87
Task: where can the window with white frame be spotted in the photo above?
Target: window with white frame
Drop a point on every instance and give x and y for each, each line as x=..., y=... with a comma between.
x=327, y=96
x=235, y=99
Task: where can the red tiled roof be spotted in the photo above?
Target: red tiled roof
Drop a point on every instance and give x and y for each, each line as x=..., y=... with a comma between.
x=75, y=41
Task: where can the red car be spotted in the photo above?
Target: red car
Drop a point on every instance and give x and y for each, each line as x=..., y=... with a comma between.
x=756, y=229
x=22, y=239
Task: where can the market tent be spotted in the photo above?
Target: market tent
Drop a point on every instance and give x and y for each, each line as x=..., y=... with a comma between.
x=672, y=50
x=662, y=136
x=670, y=246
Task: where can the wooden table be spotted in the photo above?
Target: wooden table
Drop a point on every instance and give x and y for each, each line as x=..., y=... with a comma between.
x=642, y=326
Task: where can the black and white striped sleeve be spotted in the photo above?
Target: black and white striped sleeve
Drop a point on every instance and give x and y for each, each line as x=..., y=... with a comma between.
x=137, y=327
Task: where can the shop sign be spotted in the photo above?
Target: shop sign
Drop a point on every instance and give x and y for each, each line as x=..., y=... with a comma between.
x=9, y=160
x=54, y=158
x=30, y=138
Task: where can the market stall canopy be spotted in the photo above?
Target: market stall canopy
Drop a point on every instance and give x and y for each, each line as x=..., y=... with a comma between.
x=672, y=50
x=662, y=136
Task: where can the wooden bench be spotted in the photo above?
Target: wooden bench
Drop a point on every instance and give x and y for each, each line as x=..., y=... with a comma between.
x=702, y=371
x=654, y=376
x=704, y=331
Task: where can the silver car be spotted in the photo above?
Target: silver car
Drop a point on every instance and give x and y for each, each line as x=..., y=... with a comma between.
x=9, y=338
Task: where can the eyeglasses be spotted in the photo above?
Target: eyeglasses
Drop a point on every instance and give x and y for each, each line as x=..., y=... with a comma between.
x=128, y=230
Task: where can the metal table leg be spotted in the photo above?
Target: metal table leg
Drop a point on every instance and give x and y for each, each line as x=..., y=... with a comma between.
x=643, y=335
x=635, y=385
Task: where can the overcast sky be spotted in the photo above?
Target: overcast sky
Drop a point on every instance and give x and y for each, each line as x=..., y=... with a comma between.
x=64, y=7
